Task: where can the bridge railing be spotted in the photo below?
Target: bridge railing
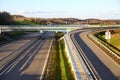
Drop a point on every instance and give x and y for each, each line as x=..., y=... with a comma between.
x=47, y=27
x=4, y=28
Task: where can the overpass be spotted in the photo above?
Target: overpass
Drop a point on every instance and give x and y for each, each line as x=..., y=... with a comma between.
x=41, y=28
x=57, y=28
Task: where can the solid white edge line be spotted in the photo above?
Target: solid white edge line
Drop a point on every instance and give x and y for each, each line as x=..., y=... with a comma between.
x=1, y=73
x=46, y=61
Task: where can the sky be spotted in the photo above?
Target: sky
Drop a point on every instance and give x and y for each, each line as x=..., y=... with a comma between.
x=82, y=9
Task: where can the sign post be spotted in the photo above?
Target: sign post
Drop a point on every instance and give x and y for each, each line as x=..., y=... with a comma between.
x=107, y=35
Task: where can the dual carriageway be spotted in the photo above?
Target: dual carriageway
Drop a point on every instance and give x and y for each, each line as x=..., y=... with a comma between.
x=25, y=59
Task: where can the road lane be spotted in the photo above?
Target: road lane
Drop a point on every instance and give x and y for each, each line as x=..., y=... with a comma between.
x=103, y=71
x=10, y=51
x=108, y=61
x=10, y=47
x=30, y=65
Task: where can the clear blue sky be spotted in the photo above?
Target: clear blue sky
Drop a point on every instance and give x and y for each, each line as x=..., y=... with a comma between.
x=82, y=9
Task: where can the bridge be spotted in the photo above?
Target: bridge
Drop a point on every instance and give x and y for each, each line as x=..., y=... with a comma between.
x=41, y=28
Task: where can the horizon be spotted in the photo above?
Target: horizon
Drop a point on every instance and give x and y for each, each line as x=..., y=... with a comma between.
x=80, y=9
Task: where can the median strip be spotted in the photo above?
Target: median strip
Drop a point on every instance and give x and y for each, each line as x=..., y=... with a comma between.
x=58, y=67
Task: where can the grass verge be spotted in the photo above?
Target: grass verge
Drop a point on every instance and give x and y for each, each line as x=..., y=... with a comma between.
x=58, y=67
x=101, y=38
x=2, y=39
x=113, y=43
x=10, y=35
x=14, y=34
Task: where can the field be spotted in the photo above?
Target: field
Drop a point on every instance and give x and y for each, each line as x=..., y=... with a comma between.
x=115, y=38
x=113, y=43
x=25, y=22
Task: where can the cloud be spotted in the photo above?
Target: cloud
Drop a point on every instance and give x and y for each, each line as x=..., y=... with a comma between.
x=38, y=13
x=22, y=12
x=110, y=15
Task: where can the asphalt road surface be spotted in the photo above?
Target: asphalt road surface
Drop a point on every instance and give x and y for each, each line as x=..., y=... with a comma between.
x=95, y=55
x=10, y=47
x=30, y=65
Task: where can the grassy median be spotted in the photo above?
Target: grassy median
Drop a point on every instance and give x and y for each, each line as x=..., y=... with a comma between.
x=58, y=66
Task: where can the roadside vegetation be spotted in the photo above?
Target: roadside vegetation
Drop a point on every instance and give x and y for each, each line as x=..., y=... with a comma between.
x=14, y=34
x=2, y=39
x=25, y=22
x=113, y=44
x=6, y=36
x=5, y=18
x=8, y=19
x=58, y=66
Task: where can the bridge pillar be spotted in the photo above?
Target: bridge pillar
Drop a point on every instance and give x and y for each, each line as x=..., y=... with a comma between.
x=56, y=31
x=41, y=31
x=67, y=31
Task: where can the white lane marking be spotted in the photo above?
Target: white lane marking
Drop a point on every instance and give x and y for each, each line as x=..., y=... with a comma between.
x=14, y=63
x=46, y=61
x=31, y=55
x=22, y=73
x=7, y=68
x=1, y=73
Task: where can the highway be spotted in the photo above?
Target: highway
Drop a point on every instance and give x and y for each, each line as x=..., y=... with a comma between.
x=10, y=50
x=99, y=64
x=31, y=58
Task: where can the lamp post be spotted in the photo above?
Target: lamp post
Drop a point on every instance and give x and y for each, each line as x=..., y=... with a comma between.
x=47, y=74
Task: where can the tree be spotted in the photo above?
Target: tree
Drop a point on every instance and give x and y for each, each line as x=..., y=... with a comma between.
x=5, y=18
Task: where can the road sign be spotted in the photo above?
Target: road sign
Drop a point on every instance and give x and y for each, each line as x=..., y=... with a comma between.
x=107, y=34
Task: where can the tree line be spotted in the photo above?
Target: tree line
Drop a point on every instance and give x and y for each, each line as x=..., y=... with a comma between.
x=7, y=19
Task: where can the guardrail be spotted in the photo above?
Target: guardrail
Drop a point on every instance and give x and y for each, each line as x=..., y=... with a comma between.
x=73, y=63
x=87, y=73
x=91, y=73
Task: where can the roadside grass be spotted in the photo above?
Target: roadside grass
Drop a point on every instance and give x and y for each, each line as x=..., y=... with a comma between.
x=62, y=63
x=115, y=40
x=113, y=44
x=25, y=22
x=66, y=73
x=11, y=34
x=58, y=65
x=53, y=71
x=2, y=39
x=14, y=34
